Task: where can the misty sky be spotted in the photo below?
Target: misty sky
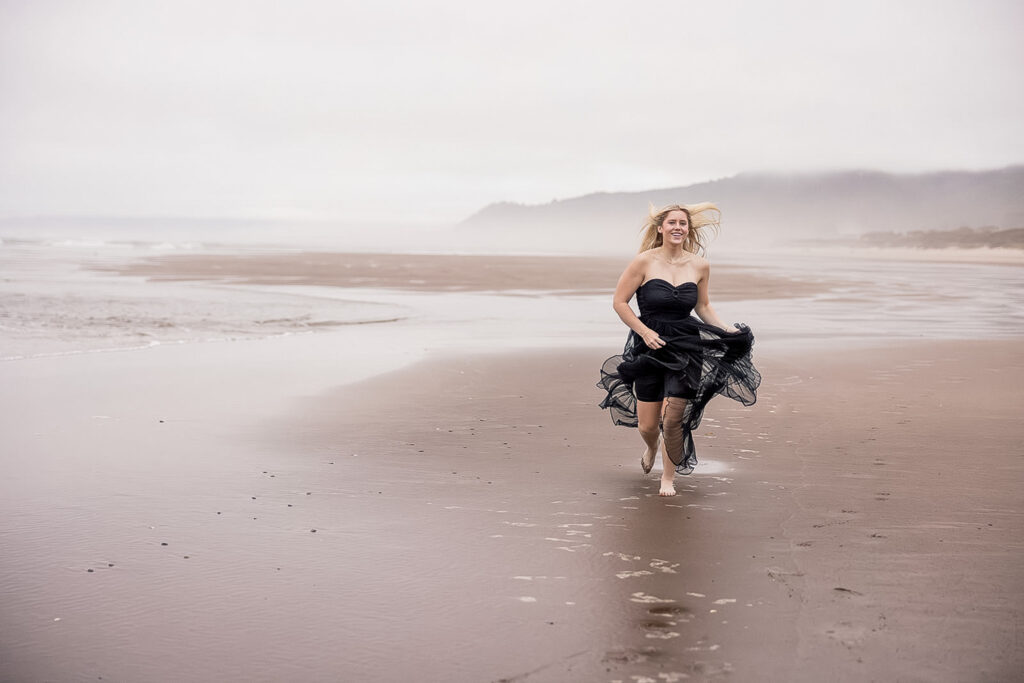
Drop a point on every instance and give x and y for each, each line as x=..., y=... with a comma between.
x=427, y=111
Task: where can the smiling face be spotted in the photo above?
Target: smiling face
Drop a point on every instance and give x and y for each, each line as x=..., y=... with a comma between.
x=674, y=228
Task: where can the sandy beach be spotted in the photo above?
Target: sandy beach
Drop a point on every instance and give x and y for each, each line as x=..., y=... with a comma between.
x=437, y=272
x=279, y=508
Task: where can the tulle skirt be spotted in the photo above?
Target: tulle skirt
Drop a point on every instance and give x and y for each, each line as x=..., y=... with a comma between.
x=703, y=359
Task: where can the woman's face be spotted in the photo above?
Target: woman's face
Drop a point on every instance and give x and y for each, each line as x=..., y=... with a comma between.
x=674, y=228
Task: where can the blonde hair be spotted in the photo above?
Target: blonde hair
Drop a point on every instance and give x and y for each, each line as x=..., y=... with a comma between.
x=703, y=217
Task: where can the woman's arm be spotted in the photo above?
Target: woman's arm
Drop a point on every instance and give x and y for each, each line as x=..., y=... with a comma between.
x=703, y=308
x=629, y=282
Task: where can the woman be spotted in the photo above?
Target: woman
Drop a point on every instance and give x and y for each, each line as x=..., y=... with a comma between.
x=673, y=363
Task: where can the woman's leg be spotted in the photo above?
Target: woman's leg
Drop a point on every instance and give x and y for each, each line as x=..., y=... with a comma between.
x=672, y=425
x=648, y=414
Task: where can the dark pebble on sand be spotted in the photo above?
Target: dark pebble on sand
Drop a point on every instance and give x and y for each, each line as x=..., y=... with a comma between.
x=186, y=557
x=161, y=421
x=110, y=564
x=309, y=493
x=312, y=531
x=163, y=544
x=89, y=570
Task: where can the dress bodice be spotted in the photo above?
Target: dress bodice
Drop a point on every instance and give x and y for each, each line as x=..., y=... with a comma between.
x=659, y=299
x=696, y=361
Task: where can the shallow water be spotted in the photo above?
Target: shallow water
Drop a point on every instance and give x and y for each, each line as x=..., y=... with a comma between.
x=52, y=304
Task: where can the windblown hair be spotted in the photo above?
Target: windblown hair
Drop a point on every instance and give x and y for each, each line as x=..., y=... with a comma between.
x=704, y=218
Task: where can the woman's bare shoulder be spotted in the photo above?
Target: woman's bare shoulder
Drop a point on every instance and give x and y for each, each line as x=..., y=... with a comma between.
x=642, y=260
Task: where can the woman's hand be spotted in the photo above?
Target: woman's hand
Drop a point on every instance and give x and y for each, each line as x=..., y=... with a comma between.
x=652, y=339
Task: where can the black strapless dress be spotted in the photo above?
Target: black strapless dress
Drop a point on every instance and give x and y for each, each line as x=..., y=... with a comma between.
x=704, y=359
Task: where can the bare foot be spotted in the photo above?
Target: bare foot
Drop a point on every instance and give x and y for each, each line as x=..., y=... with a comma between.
x=667, y=488
x=647, y=459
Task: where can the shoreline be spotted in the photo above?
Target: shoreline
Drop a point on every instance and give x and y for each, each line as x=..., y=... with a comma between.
x=989, y=256
x=440, y=273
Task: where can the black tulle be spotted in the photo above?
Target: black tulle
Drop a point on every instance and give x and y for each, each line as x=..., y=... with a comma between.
x=704, y=358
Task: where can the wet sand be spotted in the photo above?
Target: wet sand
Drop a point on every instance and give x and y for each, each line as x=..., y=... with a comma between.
x=1006, y=256
x=862, y=522
x=242, y=510
x=213, y=513
x=440, y=272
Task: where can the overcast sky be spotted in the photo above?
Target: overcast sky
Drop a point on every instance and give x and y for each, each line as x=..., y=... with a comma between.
x=424, y=111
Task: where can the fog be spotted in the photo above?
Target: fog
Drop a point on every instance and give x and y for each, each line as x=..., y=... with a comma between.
x=421, y=113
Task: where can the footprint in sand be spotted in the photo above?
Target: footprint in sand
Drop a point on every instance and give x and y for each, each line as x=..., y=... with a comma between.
x=675, y=613
x=622, y=556
x=646, y=599
x=664, y=566
x=661, y=621
x=629, y=655
x=661, y=635
x=630, y=575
